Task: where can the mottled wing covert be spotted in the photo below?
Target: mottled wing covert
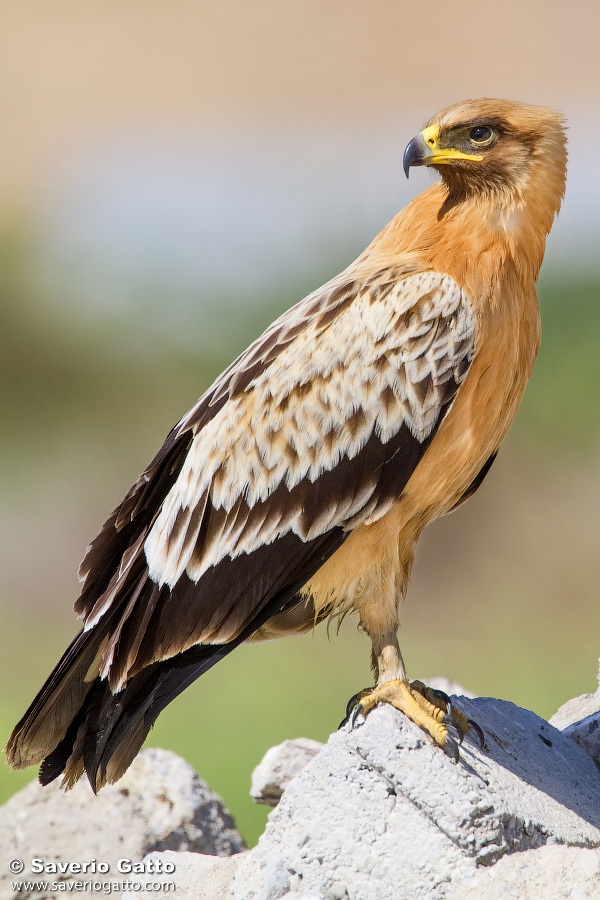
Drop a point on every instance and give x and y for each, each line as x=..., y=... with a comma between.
x=315, y=428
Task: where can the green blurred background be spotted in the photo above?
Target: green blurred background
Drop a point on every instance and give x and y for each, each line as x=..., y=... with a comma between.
x=172, y=176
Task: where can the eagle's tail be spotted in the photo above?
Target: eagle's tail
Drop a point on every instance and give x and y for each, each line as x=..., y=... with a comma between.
x=76, y=724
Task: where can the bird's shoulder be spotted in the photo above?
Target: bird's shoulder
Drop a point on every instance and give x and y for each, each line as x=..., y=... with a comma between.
x=362, y=315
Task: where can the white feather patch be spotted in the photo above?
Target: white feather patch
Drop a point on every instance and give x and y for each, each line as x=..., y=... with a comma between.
x=327, y=390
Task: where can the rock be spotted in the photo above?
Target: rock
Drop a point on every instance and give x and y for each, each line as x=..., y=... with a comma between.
x=195, y=877
x=382, y=814
x=552, y=872
x=278, y=766
x=579, y=718
x=586, y=733
x=282, y=763
x=578, y=708
x=575, y=710
x=379, y=813
x=159, y=804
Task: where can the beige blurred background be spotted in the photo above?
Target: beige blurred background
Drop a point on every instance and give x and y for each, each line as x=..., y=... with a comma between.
x=174, y=175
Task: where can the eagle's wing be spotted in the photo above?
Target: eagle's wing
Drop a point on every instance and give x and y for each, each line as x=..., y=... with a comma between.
x=317, y=426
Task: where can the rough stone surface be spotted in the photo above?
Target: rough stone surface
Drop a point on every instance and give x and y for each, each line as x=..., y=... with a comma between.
x=586, y=733
x=553, y=872
x=196, y=877
x=579, y=718
x=282, y=763
x=278, y=766
x=575, y=710
x=159, y=804
x=378, y=814
x=578, y=708
x=382, y=814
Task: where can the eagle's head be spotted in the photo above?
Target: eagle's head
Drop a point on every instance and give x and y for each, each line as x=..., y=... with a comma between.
x=494, y=147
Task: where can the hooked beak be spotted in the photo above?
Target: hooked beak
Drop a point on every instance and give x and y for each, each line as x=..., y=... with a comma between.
x=424, y=150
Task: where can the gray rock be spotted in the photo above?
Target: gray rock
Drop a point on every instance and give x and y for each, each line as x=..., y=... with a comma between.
x=553, y=872
x=575, y=710
x=578, y=708
x=382, y=814
x=278, y=766
x=195, y=877
x=159, y=804
x=282, y=763
x=579, y=719
x=586, y=733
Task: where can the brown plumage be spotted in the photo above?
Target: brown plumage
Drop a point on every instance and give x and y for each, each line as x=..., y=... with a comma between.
x=300, y=482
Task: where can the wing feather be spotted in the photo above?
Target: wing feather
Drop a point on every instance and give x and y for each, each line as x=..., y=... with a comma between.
x=315, y=428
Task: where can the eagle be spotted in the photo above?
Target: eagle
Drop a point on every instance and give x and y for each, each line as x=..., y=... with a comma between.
x=298, y=485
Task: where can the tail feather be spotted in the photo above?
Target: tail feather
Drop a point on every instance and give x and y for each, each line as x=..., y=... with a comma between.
x=103, y=732
x=77, y=724
x=59, y=701
x=113, y=727
x=109, y=729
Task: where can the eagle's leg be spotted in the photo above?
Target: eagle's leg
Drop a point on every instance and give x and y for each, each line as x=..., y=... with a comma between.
x=429, y=709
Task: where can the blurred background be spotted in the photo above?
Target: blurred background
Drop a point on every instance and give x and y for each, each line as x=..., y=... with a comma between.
x=175, y=175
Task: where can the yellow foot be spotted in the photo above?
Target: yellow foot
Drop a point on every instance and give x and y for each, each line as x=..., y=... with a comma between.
x=428, y=708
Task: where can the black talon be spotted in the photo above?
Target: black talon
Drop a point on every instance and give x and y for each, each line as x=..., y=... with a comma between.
x=452, y=748
x=352, y=702
x=455, y=724
x=355, y=714
x=442, y=695
x=479, y=732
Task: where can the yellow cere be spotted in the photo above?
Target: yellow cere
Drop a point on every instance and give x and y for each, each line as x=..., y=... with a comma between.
x=431, y=136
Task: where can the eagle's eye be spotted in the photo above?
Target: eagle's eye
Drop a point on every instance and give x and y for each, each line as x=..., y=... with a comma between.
x=481, y=135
